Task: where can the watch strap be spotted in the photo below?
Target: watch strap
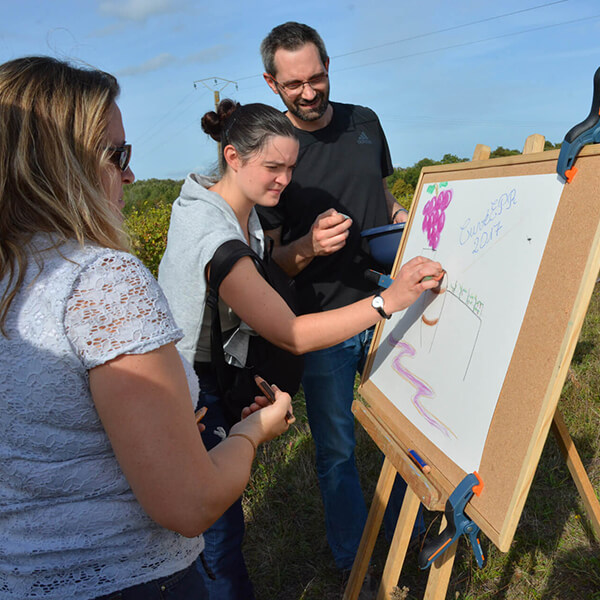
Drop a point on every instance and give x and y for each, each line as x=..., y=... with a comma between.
x=378, y=306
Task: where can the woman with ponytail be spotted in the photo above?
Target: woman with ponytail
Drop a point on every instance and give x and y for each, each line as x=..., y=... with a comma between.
x=259, y=152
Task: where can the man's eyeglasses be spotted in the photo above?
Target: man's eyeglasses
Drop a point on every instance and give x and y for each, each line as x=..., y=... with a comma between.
x=298, y=86
x=120, y=156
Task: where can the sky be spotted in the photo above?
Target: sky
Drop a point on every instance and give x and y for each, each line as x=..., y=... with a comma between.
x=442, y=75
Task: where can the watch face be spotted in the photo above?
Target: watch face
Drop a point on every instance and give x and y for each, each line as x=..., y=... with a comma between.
x=377, y=302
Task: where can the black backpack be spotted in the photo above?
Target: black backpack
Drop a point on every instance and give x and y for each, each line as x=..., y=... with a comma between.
x=236, y=385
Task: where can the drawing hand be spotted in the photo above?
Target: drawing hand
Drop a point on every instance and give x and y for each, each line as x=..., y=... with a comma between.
x=416, y=276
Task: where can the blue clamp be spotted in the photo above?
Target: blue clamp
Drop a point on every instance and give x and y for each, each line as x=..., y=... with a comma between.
x=458, y=523
x=378, y=278
x=586, y=132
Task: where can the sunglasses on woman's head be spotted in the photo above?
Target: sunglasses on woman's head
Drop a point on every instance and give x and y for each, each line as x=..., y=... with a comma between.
x=120, y=155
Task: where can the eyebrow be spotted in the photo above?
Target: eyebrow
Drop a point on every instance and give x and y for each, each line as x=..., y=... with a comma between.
x=272, y=163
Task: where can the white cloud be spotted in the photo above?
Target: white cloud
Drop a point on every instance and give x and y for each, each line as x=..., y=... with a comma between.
x=137, y=10
x=208, y=55
x=166, y=59
x=154, y=64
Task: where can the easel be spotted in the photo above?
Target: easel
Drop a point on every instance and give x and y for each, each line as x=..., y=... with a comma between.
x=419, y=490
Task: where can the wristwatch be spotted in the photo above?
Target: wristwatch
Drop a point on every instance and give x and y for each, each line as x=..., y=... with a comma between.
x=378, y=304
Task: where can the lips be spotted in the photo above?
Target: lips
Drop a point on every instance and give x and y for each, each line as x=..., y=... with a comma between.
x=312, y=103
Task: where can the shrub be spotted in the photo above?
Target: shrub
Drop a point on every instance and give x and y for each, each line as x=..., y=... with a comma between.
x=403, y=192
x=148, y=231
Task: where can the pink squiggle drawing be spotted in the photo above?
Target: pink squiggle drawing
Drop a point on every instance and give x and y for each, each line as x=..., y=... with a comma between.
x=434, y=217
x=423, y=390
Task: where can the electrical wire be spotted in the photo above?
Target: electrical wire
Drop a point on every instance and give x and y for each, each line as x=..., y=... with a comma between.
x=430, y=33
x=471, y=43
x=447, y=29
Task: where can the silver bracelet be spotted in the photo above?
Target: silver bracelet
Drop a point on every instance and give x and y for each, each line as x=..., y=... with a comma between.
x=247, y=437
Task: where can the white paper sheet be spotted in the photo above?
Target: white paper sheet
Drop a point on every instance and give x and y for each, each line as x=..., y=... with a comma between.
x=442, y=362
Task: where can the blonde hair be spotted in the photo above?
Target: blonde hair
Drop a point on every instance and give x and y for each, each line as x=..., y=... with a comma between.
x=53, y=123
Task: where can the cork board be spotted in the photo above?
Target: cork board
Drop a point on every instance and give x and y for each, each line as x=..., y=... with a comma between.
x=532, y=374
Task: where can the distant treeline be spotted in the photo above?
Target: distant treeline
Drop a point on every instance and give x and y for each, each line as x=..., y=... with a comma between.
x=149, y=193
x=403, y=181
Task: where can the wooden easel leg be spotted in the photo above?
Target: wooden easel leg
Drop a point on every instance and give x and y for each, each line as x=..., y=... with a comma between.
x=400, y=541
x=580, y=477
x=372, y=527
x=440, y=572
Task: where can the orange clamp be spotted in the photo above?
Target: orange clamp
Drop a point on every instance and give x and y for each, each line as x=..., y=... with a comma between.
x=570, y=173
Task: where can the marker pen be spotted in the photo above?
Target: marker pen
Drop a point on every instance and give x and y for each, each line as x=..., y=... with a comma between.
x=417, y=459
x=267, y=390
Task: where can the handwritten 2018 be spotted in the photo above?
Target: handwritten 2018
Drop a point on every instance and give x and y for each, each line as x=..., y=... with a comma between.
x=488, y=228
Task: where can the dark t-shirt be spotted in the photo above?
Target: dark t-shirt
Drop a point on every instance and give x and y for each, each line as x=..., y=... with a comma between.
x=340, y=166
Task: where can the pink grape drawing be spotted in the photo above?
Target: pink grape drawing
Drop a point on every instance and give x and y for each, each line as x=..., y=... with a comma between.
x=434, y=216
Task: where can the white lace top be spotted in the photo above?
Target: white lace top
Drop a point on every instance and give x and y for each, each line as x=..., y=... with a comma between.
x=70, y=526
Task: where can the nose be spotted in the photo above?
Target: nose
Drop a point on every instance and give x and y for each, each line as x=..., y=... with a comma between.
x=308, y=92
x=284, y=177
x=127, y=176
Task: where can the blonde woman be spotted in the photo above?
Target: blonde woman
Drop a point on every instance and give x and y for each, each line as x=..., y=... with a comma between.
x=105, y=484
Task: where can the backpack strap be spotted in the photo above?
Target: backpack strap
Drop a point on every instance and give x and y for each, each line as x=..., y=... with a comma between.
x=225, y=256
x=223, y=260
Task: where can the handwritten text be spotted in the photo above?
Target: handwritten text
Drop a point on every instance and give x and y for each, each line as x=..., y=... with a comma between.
x=487, y=229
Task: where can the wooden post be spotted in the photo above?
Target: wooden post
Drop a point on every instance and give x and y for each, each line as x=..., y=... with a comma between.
x=580, y=477
x=534, y=143
x=372, y=527
x=482, y=152
x=399, y=546
x=440, y=572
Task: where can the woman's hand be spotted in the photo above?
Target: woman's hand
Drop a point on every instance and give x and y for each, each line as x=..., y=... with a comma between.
x=264, y=421
x=259, y=402
x=416, y=276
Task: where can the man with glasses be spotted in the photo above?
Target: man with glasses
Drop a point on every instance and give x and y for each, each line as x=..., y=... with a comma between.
x=337, y=190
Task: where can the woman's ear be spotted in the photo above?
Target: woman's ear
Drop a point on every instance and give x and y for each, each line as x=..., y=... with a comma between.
x=232, y=158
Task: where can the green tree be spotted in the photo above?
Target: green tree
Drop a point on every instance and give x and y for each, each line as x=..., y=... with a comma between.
x=550, y=146
x=411, y=174
x=449, y=159
x=501, y=151
x=398, y=173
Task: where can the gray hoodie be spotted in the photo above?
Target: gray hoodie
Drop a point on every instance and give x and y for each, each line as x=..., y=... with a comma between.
x=200, y=222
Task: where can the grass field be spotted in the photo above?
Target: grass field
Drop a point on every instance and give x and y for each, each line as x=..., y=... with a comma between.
x=554, y=554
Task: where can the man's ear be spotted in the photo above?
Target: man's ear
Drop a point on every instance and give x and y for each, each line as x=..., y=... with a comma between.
x=326, y=65
x=231, y=156
x=271, y=82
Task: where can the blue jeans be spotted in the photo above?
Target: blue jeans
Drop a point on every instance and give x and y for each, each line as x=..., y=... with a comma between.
x=182, y=585
x=328, y=383
x=223, y=540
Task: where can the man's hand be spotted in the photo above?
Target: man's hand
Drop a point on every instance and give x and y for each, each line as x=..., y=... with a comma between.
x=327, y=235
x=400, y=215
